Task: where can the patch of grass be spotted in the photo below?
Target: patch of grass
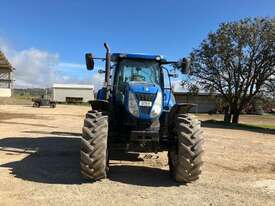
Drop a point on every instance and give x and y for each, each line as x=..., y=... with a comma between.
x=262, y=128
x=15, y=96
x=14, y=101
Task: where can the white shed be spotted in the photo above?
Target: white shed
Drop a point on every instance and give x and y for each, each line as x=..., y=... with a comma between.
x=6, y=81
x=71, y=93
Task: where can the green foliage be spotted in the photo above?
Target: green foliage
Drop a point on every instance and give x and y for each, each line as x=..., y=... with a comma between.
x=30, y=93
x=265, y=128
x=236, y=61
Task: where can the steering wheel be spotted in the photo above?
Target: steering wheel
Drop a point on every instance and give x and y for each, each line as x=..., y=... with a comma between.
x=137, y=77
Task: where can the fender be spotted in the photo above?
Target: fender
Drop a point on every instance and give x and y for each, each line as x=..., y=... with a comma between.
x=179, y=108
x=100, y=105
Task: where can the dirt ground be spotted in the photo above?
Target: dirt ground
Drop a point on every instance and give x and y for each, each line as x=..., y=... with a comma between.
x=39, y=165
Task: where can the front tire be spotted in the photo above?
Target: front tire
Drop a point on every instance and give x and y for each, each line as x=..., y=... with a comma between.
x=93, y=150
x=185, y=160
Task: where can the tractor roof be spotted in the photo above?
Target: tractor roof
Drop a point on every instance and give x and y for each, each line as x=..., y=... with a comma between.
x=116, y=56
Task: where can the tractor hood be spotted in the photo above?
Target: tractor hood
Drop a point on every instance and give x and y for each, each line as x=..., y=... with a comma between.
x=146, y=88
x=144, y=100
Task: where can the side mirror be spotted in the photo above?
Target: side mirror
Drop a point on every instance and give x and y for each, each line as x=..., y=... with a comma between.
x=89, y=61
x=184, y=65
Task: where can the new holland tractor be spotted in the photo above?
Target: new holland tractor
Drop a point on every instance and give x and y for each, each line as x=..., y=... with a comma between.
x=136, y=112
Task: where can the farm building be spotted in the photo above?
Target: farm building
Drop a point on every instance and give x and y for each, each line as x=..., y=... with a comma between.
x=71, y=93
x=204, y=101
x=6, y=81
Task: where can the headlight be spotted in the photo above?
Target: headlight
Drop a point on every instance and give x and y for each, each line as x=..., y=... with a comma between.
x=132, y=105
x=156, y=110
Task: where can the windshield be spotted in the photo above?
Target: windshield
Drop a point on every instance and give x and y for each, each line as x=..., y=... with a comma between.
x=138, y=71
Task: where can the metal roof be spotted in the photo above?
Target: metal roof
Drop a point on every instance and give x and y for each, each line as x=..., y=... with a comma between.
x=116, y=56
x=4, y=63
x=73, y=86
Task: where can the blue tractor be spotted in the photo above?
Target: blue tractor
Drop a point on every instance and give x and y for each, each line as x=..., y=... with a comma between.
x=136, y=112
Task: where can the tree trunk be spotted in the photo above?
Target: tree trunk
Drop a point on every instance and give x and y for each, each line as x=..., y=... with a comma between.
x=236, y=118
x=227, y=115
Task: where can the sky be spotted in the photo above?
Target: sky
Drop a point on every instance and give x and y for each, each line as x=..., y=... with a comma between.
x=46, y=40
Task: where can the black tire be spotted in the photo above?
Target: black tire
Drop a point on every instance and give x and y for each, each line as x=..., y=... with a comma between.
x=185, y=160
x=36, y=104
x=52, y=105
x=93, y=149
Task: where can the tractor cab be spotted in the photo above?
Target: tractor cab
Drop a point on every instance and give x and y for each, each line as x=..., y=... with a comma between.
x=138, y=84
x=143, y=77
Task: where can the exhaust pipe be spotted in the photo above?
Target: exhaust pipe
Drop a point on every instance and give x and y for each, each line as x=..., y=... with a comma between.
x=107, y=64
x=107, y=69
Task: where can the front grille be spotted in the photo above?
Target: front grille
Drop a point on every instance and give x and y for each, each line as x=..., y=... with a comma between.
x=145, y=97
x=145, y=110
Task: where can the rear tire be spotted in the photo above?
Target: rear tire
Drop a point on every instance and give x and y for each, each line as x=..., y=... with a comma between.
x=93, y=150
x=185, y=160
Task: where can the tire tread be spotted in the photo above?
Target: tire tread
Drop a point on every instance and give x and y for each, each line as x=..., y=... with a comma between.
x=93, y=146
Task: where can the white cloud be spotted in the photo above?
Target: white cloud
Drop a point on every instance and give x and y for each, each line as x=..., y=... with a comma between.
x=34, y=68
x=38, y=68
x=71, y=65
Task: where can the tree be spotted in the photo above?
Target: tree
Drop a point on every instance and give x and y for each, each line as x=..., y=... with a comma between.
x=236, y=61
x=270, y=89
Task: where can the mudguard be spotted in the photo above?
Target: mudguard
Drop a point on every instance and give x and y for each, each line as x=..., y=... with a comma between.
x=101, y=94
x=179, y=108
x=100, y=105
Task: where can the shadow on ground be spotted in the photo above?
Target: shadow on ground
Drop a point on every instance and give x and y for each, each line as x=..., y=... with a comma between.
x=141, y=175
x=245, y=127
x=54, y=133
x=52, y=159
x=55, y=160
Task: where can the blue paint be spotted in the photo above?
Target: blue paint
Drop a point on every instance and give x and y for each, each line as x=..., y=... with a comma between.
x=143, y=88
x=168, y=99
x=101, y=94
x=116, y=56
x=136, y=88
